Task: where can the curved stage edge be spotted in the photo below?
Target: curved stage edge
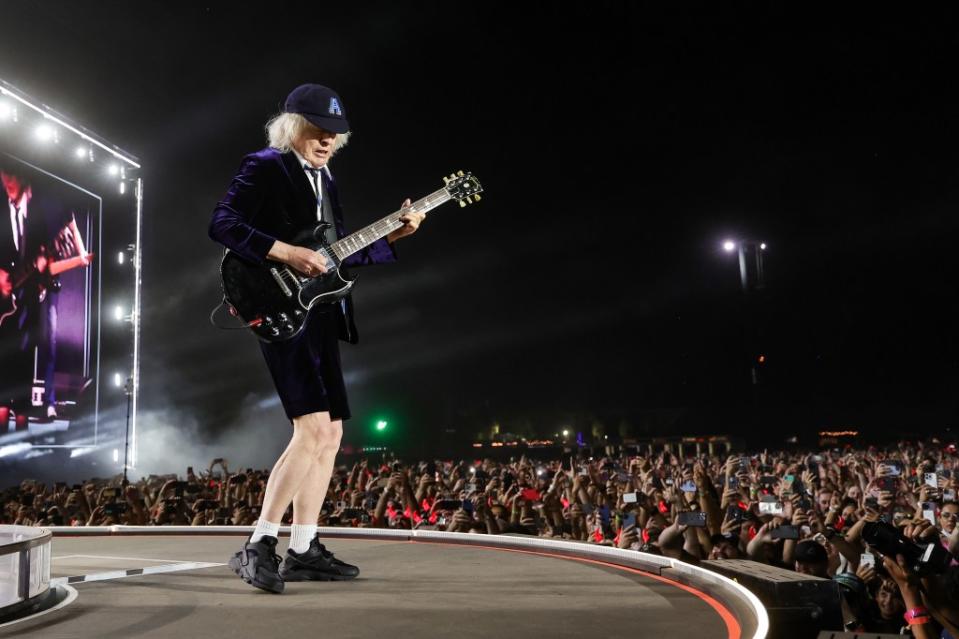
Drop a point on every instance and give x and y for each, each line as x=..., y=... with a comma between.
x=733, y=605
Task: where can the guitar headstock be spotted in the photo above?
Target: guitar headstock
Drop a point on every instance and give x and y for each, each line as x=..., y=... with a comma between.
x=463, y=187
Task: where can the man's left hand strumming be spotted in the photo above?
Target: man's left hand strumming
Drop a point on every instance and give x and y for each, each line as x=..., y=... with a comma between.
x=411, y=222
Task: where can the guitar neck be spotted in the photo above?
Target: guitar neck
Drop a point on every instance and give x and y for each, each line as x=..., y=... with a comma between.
x=65, y=265
x=381, y=228
x=53, y=268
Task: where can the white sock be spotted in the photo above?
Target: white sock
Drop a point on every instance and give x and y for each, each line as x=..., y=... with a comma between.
x=263, y=529
x=300, y=537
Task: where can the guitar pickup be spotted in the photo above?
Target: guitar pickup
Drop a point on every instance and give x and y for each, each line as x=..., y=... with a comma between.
x=279, y=281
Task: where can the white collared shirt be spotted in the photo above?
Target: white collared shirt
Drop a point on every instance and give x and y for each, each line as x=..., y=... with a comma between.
x=316, y=186
x=16, y=221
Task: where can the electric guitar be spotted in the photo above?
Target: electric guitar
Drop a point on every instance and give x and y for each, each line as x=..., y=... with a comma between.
x=13, y=282
x=274, y=299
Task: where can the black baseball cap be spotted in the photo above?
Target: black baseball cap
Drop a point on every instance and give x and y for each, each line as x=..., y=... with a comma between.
x=726, y=537
x=320, y=105
x=810, y=552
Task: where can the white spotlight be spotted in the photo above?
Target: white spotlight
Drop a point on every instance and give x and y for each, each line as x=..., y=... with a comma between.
x=118, y=313
x=120, y=257
x=117, y=380
x=123, y=188
x=81, y=152
x=729, y=246
x=8, y=112
x=46, y=133
x=762, y=246
x=114, y=169
x=565, y=433
x=116, y=455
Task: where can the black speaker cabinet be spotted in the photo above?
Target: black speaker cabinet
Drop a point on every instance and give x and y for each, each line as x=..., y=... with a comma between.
x=829, y=634
x=799, y=606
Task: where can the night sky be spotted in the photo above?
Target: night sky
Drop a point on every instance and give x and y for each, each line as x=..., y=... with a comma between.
x=618, y=144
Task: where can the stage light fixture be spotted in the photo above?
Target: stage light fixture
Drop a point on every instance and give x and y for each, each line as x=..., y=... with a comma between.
x=81, y=152
x=565, y=433
x=116, y=455
x=8, y=112
x=762, y=246
x=46, y=133
x=117, y=380
x=118, y=313
x=120, y=257
x=729, y=246
x=113, y=170
x=123, y=187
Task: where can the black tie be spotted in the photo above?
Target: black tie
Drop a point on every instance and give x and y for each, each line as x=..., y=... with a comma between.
x=21, y=249
x=326, y=209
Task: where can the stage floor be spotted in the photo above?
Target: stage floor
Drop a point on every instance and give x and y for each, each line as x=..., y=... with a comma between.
x=405, y=589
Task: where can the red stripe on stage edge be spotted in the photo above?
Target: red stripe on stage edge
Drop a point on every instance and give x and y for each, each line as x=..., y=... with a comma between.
x=733, y=629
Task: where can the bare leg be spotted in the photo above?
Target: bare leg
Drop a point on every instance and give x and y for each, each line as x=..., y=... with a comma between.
x=308, y=500
x=293, y=467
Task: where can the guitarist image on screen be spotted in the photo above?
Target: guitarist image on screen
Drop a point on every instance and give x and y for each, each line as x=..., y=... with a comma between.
x=35, y=240
x=278, y=192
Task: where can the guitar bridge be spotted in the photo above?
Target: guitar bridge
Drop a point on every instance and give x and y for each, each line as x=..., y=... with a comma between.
x=279, y=281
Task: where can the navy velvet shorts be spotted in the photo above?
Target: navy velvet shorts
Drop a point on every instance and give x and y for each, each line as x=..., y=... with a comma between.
x=306, y=369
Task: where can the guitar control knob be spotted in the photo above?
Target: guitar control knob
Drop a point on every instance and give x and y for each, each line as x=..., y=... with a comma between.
x=283, y=317
x=275, y=332
x=268, y=321
x=298, y=313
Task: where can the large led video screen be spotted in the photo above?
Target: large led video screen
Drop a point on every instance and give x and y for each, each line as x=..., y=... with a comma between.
x=49, y=301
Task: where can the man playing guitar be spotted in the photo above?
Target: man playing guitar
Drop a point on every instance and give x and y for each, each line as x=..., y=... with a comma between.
x=277, y=192
x=34, y=249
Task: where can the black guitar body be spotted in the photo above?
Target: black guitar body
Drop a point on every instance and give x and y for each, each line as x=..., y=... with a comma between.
x=274, y=299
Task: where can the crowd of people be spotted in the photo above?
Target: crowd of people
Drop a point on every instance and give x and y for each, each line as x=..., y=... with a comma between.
x=879, y=521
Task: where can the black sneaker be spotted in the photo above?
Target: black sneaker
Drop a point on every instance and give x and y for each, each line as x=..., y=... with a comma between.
x=257, y=563
x=316, y=564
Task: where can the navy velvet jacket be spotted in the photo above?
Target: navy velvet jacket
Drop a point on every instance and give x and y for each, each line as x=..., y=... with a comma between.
x=271, y=199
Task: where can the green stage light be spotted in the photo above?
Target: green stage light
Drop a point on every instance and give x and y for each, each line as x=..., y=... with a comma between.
x=381, y=425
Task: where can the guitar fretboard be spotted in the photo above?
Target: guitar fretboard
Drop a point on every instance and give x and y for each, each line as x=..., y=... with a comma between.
x=381, y=228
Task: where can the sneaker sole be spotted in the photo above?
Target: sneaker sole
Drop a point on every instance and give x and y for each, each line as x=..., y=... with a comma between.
x=318, y=577
x=256, y=583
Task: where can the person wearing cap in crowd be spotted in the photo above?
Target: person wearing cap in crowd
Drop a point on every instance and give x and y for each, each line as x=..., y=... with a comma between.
x=278, y=192
x=811, y=559
x=725, y=546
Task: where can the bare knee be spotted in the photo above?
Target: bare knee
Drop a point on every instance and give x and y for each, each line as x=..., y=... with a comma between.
x=317, y=434
x=330, y=437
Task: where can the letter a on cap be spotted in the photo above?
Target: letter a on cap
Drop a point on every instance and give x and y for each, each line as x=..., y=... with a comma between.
x=335, y=107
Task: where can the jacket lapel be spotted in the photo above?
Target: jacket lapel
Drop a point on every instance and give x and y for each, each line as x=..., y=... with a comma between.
x=305, y=197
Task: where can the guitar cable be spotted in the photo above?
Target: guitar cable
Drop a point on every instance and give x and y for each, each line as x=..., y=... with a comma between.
x=225, y=302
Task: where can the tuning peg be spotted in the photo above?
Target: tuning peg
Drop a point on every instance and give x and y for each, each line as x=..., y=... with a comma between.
x=469, y=199
x=452, y=176
x=462, y=203
x=476, y=197
x=460, y=174
x=446, y=180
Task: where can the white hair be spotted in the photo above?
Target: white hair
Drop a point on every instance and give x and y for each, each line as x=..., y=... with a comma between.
x=283, y=129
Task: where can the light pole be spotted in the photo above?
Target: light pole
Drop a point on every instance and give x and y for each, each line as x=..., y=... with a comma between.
x=128, y=389
x=752, y=279
x=748, y=249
